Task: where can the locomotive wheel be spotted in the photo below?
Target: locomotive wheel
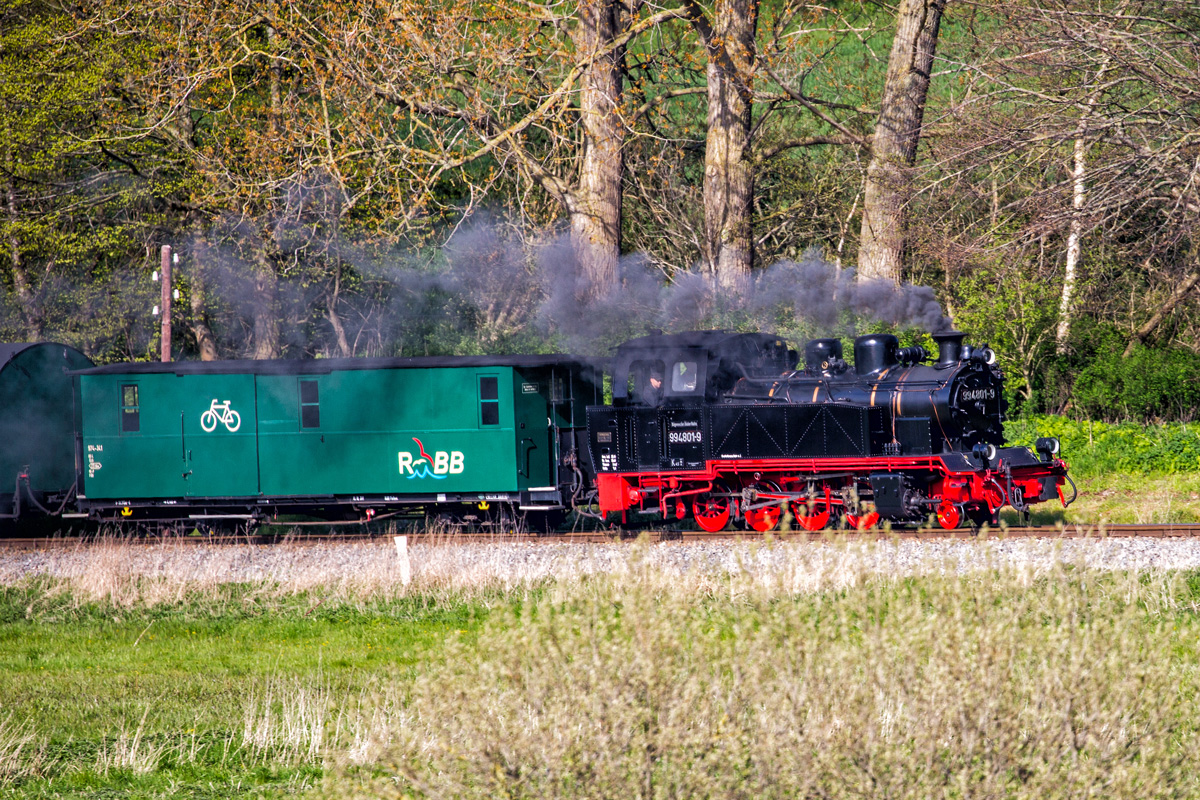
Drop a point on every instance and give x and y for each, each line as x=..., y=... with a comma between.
x=712, y=510
x=949, y=515
x=862, y=522
x=765, y=518
x=813, y=514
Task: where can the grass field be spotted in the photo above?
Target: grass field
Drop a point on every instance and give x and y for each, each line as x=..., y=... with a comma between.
x=220, y=695
x=995, y=682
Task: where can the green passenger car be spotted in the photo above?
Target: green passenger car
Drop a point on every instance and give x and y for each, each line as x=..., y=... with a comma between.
x=332, y=437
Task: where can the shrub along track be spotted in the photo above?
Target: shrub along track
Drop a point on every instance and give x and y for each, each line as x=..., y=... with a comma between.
x=1157, y=531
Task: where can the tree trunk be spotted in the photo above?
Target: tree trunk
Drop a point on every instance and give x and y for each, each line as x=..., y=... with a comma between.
x=595, y=208
x=266, y=282
x=198, y=303
x=728, y=173
x=883, y=245
x=1075, y=229
x=205, y=340
x=335, y=321
x=1074, y=234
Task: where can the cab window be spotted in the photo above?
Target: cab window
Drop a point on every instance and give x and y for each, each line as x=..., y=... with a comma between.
x=683, y=377
x=646, y=382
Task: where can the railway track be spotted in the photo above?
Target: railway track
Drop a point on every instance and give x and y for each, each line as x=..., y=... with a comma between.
x=601, y=537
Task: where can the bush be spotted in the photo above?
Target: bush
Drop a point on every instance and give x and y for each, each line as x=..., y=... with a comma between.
x=1151, y=383
x=1097, y=448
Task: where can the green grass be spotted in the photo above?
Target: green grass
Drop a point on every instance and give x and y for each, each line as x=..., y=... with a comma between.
x=1125, y=472
x=189, y=676
x=1125, y=499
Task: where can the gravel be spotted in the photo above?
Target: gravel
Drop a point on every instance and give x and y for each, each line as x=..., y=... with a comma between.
x=798, y=565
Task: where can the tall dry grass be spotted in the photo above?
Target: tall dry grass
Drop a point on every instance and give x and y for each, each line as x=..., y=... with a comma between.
x=130, y=750
x=21, y=754
x=125, y=574
x=990, y=684
x=285, y=722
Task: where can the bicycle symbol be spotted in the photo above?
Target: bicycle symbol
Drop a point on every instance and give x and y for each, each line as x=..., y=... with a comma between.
x=220, y=412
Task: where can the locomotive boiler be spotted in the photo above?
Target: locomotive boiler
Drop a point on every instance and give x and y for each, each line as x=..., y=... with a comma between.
x=723, y=426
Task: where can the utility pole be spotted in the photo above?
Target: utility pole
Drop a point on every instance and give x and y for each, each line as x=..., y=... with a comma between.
x=166, y=302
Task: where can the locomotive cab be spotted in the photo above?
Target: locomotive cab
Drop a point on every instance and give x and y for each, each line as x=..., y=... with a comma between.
x=693, y=368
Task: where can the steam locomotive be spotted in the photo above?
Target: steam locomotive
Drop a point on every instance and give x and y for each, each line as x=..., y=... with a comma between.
x=719, y=426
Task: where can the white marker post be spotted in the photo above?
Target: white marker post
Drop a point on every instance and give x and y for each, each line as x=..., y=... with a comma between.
x=405, y=567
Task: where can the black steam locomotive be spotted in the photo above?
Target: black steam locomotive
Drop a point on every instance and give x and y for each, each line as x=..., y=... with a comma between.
x=722, y=426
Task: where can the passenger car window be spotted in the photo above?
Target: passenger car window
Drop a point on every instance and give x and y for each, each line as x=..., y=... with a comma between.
x=310, y=404
x=489, y=400
x=131, y=412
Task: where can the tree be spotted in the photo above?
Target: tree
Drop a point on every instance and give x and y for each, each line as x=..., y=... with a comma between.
x=1084, y=114
x=729, y=43
x=525, y=90
x=888, y=191
x=78, y=211
x=594, y=204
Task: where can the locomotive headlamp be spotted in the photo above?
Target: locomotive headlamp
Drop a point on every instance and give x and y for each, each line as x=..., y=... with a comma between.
x=984, y=453
x=985, y=355
x=1046, y=447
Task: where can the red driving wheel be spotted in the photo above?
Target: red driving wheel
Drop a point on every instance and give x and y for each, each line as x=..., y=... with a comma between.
x=711, y=510
x=949, y=515
x=765, y=517
x=862, y=522
x=813, y=514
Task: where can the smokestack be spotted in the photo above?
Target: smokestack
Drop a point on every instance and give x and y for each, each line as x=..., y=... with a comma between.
x=950, y=344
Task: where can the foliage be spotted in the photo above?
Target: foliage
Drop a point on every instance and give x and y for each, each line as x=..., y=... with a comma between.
x=316, y=165
x=1150, y=383
x=1097, y=448
x=74, y=214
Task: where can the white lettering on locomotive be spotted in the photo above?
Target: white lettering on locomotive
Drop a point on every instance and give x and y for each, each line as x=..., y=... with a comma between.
x=988, y=393
x=684, y=437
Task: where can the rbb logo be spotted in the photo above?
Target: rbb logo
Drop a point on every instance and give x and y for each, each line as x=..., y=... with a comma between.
x=439, y=465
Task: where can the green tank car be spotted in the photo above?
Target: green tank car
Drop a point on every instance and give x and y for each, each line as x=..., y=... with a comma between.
x=37, y=424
